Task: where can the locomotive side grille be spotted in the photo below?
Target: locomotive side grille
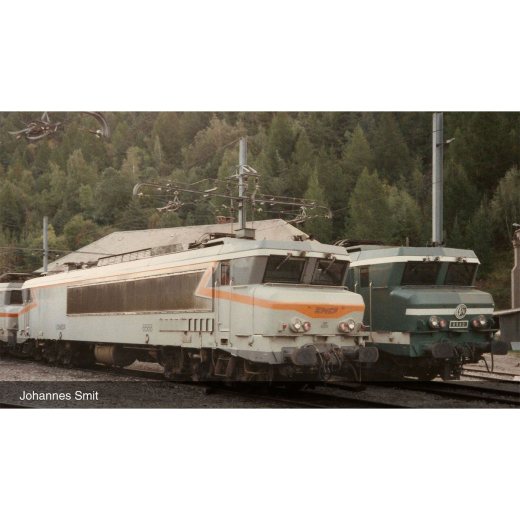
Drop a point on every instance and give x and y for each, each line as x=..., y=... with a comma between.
x=158, y=294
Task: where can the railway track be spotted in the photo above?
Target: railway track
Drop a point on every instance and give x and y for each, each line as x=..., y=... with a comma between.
x=484, y=375
x=314, y=398
x=455, y=390
x=13, y=406
x=254, y=392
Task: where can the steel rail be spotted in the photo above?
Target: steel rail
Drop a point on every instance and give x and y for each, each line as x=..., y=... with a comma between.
x=463, y=392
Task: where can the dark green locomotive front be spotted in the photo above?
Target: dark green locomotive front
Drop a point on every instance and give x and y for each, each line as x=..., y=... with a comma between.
x=423, y=311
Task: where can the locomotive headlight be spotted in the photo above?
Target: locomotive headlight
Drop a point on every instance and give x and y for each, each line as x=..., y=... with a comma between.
x=306, y=326
x=479, y=322
x=434, y=322
x=296, y=325
x=347, y=326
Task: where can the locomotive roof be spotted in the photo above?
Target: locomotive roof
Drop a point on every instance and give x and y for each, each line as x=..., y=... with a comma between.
x=359, y=253
x=220, y=249
x=122, y=242
x=235, y=245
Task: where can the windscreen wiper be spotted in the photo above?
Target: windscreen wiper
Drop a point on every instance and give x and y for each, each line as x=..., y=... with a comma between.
x=284, y=260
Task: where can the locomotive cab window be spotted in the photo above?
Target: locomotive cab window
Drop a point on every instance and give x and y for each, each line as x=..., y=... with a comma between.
x=13, y=298
x=460, y=274
x=284, y=269
x=420, y=273
x=330, y=272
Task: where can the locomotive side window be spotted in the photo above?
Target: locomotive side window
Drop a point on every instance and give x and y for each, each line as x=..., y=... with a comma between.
x=460, y=274
x=284, y=269
x=27, y=295
x=420, y=273
x=329, y=272
x=364, y=280
x=225, y=274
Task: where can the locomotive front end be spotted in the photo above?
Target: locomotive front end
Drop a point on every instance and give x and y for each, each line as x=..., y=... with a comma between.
x=301, y=319
x=426, y=316
x=12, y=310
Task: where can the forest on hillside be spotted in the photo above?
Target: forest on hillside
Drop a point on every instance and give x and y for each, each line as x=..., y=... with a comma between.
x=373, y=170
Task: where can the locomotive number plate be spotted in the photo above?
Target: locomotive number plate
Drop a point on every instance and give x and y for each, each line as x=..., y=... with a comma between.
x=458, y=324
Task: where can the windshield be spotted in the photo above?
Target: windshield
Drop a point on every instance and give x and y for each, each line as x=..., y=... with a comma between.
x=16, y=298
x=284, y=269
x=420, y=273
x=330, y=272
x=460, y=274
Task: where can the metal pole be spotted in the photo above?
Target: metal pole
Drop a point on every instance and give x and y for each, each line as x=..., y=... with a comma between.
x=437, y=181
x=45, y=244
x=242, y=184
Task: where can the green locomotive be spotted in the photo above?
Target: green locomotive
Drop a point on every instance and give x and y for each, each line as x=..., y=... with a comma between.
x=422, y=311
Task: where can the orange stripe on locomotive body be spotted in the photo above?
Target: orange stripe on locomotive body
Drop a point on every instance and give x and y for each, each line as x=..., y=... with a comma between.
x=312, y=310
x=23, y=311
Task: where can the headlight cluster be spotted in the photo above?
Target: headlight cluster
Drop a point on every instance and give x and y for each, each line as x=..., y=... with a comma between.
x=347, y=326
x=436, y=323
x=480, y=322
x=298, y=325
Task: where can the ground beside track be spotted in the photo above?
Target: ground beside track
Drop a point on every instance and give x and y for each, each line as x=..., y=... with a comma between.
x=122, y=391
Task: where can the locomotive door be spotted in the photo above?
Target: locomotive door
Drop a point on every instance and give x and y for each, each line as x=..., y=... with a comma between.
x=364, y=288
x=27, y=298
x=224, y=296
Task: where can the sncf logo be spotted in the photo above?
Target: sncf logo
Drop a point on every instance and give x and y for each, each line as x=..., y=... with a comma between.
x=460, y=311
x=326, y=310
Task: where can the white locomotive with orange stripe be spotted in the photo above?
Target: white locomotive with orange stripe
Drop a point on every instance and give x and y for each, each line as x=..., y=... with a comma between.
x=231, y=308
x=12, y=307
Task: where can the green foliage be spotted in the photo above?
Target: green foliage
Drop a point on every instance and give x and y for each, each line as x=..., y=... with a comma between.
x=392, y=157
x=357, y=154
x=480, y=237
x=369, y=209
x=168, y=128
x=13, y=203
x=405, y=218
x=281, y=140
x=79, y=232
x=319, y=227
x=505, y=206
x=84, y=184
x=112, y=196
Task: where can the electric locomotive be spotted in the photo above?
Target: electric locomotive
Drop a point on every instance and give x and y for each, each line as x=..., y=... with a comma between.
x=423, y=312
x=229, y=309
x=12, y=307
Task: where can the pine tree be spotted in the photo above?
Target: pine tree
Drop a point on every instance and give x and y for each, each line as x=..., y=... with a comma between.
x=392, y=157
x=281, y=139
x=369, y=209
x=319, y=227
x=505, y=206
x=357, y=154
x=405, y=217
x=480, y=237
x=304, y=160
x=461, y=197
